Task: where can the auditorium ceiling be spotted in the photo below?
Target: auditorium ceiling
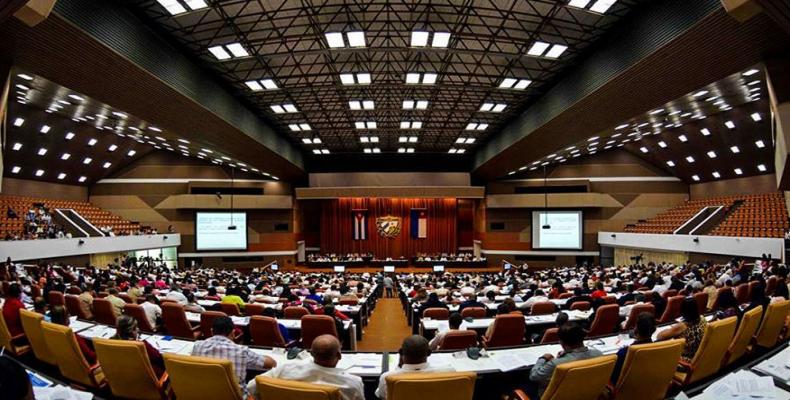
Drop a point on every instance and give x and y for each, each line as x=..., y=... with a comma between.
x=56, y=134
x=719, y=131
x=385, y=76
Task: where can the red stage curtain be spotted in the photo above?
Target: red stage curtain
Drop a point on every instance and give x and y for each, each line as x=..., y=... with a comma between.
x=336, y=227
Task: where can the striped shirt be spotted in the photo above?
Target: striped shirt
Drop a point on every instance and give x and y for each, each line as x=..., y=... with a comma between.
x=241, y=357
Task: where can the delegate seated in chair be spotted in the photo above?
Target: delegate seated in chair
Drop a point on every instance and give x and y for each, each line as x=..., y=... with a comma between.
x=322, y=370
x=454, y=322
x=571, y=337
x=413, y=354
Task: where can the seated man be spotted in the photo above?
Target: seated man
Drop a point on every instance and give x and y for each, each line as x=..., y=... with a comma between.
x=414, y=354
x=221, y=346
x=117, y=302
x=643, y=333
x=573, y=349
x=471, y=301
x=326, y=354
x=455, y=322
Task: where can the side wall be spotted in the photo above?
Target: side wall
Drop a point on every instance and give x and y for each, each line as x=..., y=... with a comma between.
x=57, y=191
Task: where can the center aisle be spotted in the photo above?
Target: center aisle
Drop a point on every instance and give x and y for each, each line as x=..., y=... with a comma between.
x=387, y=328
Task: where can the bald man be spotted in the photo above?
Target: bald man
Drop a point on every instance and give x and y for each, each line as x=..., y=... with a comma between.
x=414, y=353
x=321, y=370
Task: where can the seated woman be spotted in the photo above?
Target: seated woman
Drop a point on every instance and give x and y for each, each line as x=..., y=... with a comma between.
x=728, y=306
x=59, y=315
x=192, y=305
x=126, y=329
x=691, y=328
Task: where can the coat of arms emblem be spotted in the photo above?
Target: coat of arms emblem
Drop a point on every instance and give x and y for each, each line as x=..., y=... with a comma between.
x=388, y=226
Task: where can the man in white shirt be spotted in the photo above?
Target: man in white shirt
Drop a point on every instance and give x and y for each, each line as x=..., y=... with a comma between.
x=152, y=310
x=326, y=354
x=539, y=297
x=176, y=295
x=414, y=354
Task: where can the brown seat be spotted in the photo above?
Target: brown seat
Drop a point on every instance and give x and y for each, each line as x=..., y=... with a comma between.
x=265, y=332
x=207, y=321
x=103, y=312
x=672, y=309
x=542, y=308
x=715, y=305
x=176, y=322
x=637, y=309
x=230, y=309
x=348, y=302
x=742, y=293
x=606, y=319
x=551, y=335
x=254, y=309
x=136, y=311
x=74, y=307
x=459, y=340
x=566, y=295
x=702, y=302
x=473, y=312
x=295, y=312
x=669, y=293
x=314, y=326
x=436, y=313
x=55, y=298
x=580, y=305
x=508, y=330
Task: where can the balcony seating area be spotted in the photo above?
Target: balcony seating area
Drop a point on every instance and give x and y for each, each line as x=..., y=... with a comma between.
x=95, y=215
x=754, y=215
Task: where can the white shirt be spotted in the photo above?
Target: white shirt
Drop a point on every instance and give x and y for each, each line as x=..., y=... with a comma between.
x=351, y=387
x=535, y=299
x=177, y=296
x=381, y=391
x=152, y=312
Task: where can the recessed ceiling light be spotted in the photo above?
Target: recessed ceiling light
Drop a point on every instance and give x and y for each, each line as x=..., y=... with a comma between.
x=690, y=159
x=18, y=122
x=61, y=176
x=42, y=151
x=643, y=149
x=359, y=78
x=760, y=144
x=17, y=146
x=695, y=177
x=671, y=163
x=25, y=77
x=305, y=127
x=65, y=156
x=39, y=172
x=761, y=168
x=621, y=126
x=738, y=171
x=82, y=179
x=751, y=72
x=730, y=124
x=662, y=144
x=756, y=117
x=92, y=142
x=16, y=169
x=711, y=154
x=683, y=138
x=716, y=174
x=705, y=131
x=131, y=153
x=735, y=149
x=45, y=129
x=106, y=165
x=112, y=148
x=87, y=160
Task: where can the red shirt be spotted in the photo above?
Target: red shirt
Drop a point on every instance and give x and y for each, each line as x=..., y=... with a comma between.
x=598, y=294
x=11, y=309
x=338, y=314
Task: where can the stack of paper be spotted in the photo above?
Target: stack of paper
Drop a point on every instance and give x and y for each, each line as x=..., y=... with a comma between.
x=742, y=385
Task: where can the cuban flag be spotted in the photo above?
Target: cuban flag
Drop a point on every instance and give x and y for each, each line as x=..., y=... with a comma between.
x=419, y=223
x=360, y=224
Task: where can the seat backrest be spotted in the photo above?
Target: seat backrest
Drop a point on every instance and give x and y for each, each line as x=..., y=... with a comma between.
x=750, y=321
x=5, y=335
x=473, y=312
x=459, y=340
x=314, y=326
x=669, y=293
x=281, y=389
x=770, y=285
x=635, y=311
x=742, y=293
x=508, y=330
x=707, y=361
x=254, y=309
x=207, y=321
x=74, y=306
x=774, y=319
x=31, y=323
x=436, y=313
x=175, y=320
x=136, y=311
x=542, y=308
x=295, y=312
x=127, y=368
x=348, y=302
x=702, y=301
x=265, y=332
x=606, y=320
x=672, y=310
x=715, y=304
x=415, y=386
x=103, y=312
x=230, y=309
x=63, y=345
x=55, y=298
x=550, y=335
x=199, y=378
x=580, y=380
x=648, y=370
x=580, y=305
x=126, y=298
